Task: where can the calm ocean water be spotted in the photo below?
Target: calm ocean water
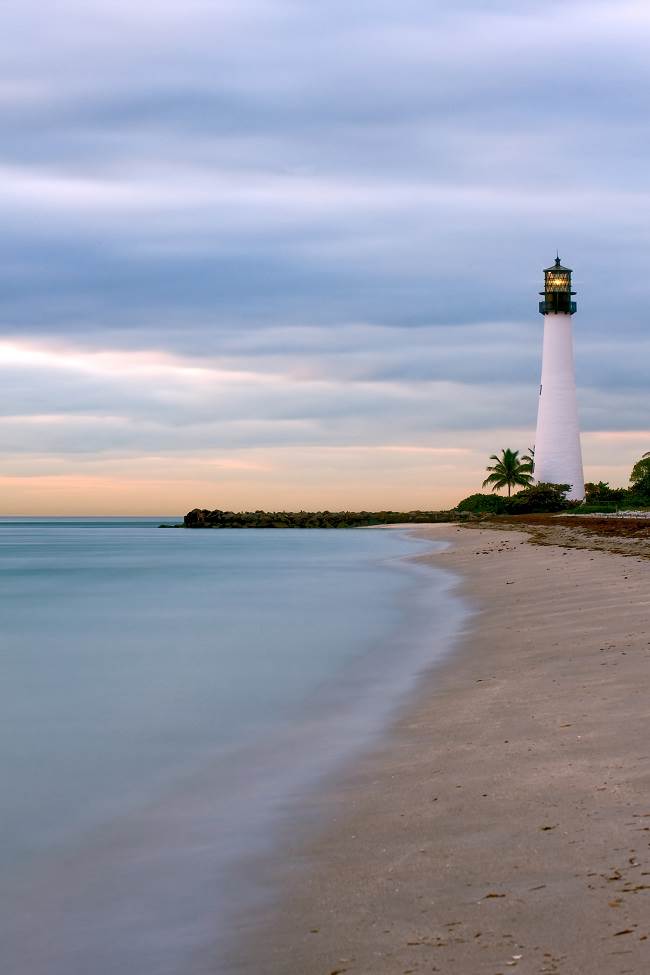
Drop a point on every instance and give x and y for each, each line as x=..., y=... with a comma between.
x=168, y=699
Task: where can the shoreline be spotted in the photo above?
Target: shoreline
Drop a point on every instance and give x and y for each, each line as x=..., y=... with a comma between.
x=364, y=701
x=499, y=824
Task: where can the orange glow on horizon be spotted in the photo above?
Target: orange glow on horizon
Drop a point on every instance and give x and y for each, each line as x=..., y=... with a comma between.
x=171, y=402
x=389, y=476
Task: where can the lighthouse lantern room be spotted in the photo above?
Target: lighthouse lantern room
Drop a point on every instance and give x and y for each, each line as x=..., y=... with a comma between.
x=557, y=290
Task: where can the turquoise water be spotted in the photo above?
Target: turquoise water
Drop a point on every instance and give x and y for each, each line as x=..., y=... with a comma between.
x=168, y=699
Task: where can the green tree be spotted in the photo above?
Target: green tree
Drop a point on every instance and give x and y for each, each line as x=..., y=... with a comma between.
x=509, y=470
x=601, y=493
x=640, y=478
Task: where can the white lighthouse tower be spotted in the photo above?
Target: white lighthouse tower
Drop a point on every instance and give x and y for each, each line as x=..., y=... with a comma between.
x=558, y=457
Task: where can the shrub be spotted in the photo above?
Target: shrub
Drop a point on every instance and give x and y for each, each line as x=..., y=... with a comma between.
x=634, y=501
x=602, y=493
x=594, y=509
x=540, y=498
x=480, y=504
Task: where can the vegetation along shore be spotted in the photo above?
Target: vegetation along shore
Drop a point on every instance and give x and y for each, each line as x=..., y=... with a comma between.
x=508, y=471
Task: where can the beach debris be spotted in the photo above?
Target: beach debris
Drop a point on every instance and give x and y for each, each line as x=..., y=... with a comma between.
x=546, y=828
x=617, y=934
x=493, y=893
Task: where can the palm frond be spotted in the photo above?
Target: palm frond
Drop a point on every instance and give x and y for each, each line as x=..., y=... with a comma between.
x=509, y=470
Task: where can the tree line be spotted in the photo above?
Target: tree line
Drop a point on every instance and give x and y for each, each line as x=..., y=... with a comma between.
x=510, y=470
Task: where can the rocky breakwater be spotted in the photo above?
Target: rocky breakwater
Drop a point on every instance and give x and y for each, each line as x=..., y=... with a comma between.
x=203, y=518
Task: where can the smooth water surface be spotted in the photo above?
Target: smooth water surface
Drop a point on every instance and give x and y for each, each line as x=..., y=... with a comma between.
x=167, y=697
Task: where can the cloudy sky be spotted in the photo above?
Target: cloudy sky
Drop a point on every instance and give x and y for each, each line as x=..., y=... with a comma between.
x=286, y=253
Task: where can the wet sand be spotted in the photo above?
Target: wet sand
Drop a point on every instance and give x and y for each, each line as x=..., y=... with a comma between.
x=504, y=823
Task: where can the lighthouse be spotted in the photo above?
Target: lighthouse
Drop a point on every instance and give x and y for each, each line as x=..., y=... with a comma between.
x=558, y=457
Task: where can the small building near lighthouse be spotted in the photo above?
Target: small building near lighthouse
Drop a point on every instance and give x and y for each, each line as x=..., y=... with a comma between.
x=558, y=455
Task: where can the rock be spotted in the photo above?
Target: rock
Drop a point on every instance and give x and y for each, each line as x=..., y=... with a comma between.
x=196, y=518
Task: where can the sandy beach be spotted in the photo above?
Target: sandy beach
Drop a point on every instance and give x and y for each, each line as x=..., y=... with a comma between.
x=504, y=823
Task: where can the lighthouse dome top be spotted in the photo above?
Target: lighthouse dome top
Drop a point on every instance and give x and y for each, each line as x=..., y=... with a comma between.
x=558, y=266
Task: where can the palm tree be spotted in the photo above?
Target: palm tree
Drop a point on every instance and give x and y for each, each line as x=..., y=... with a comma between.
x=509, y=470
x=529, y=460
